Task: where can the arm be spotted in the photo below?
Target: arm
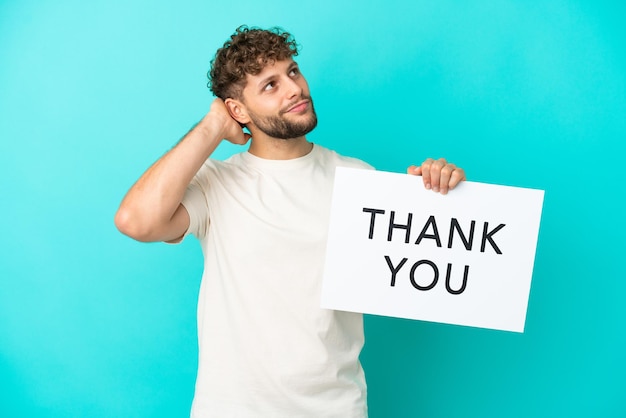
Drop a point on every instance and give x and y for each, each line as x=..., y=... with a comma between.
x=438, y=175
x=152, y=209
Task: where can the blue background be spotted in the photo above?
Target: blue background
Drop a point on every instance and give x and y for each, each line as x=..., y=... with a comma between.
x=523, y=93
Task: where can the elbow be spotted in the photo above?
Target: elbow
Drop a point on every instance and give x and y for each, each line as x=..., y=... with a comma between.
x=129, y=225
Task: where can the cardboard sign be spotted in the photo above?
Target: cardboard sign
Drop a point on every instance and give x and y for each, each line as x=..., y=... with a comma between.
x=397, y=249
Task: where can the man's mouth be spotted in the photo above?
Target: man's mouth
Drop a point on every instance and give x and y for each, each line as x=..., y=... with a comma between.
x=299, y=107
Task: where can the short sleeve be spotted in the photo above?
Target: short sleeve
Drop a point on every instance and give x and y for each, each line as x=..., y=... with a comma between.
x=196, y=201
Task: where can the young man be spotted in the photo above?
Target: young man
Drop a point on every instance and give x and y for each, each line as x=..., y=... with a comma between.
x=266, y=348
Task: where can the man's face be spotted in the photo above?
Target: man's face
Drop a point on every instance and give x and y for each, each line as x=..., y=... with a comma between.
x=278, y=101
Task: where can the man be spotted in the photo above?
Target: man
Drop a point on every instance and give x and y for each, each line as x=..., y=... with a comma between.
x=266, y=348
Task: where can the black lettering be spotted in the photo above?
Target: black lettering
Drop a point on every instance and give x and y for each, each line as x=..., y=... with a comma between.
x=454, y=225
x=434, y=235
x=373, y=212
x=487, y=237
x=393, y=226
x=394, y=270
x=435, y=278
x=449, y=288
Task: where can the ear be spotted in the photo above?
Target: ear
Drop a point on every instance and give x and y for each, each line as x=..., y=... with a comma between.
x=237, y=110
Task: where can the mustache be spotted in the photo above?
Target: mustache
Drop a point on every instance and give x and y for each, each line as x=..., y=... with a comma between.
x=294, y=102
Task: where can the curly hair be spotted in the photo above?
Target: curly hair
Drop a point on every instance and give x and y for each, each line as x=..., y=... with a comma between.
x=247, y=51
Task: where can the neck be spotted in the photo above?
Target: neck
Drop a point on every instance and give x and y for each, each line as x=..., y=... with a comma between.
x=279, y=149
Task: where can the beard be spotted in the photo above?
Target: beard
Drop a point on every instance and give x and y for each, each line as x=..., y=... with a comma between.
x=282, y=128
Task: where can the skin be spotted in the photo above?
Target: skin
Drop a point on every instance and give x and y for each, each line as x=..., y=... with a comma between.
x=152, y=209
x=439, y=175
x=279, y=90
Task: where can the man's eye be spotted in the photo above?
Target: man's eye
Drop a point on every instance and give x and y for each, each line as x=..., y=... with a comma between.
x=269, y=86
x=293, y=72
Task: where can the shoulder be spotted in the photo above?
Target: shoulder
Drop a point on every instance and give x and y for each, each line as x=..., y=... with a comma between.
x=213, y=170
x=339, y=160
x=233, y=163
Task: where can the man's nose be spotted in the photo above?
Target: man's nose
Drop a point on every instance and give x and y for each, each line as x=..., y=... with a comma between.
x=293, y=89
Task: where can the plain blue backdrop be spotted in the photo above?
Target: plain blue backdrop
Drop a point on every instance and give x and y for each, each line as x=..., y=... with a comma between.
x=523, y=93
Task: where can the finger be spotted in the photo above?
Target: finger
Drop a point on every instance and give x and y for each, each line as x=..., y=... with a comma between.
x=444, y=180
x=457, y=176
x=426, y=172
x=241, y=138
x=414, y=170
x=435, y=174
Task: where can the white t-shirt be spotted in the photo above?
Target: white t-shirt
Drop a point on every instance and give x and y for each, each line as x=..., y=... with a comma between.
x=266, y=348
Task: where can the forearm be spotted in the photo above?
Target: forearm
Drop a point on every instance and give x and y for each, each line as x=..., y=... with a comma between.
x=146, y=212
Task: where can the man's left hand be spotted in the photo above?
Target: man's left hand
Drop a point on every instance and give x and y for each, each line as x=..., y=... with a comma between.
x=438, y=175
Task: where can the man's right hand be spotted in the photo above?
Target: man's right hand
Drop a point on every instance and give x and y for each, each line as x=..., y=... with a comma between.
x=219, y=119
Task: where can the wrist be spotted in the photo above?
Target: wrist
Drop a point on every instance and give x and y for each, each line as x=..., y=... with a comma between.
x=211, y=128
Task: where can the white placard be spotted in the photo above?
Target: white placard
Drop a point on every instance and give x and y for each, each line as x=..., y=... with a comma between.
x=397, y=249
